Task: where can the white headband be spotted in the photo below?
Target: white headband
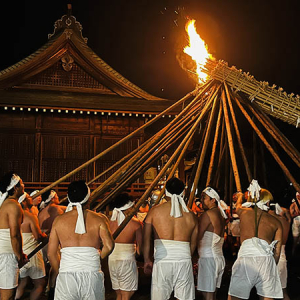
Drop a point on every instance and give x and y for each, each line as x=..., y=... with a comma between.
x=278, y=209
x=254, y=189
x=175, y=201
x=80, y=227
x=214, y=195
x=118, y=212
x=13, y=182
x=22, y=198
x=33, y=193
x=51, y=196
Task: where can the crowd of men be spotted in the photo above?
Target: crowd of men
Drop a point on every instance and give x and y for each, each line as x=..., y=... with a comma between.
x=166, y=239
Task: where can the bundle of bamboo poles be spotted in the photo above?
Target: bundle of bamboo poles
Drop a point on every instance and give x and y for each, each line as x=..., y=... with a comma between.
x=221, y=140
x=275, y=102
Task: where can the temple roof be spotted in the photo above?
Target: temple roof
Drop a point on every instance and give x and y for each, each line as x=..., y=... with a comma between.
x=65, y=64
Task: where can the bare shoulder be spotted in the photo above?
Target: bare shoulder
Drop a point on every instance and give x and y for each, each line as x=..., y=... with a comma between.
x=13, y=206
x=101, y=218
x=136, y=222
x=193, y=217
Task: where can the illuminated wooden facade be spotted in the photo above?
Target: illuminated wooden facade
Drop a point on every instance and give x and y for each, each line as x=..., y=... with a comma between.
x=63, y=104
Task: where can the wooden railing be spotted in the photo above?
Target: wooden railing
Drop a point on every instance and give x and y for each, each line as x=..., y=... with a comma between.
x=135, y=190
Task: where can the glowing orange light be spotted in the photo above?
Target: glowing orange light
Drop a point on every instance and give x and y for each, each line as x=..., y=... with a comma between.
x=197, y=49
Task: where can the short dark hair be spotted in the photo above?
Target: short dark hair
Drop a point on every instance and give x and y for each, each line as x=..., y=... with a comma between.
x=77, y=191
x=5, y=182
x=121, y=200
x=175, y=186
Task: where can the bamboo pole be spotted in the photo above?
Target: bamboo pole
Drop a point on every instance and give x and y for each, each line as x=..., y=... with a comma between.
x=130, y=177
x=114, y=177
x=205, y=87
x=214, y=147
x=238, y=135
x=155, y=181
x=263, y=162
x=226, y=171
x=274, y=154
x=254, y=152
x=275, y=133
x=230, y=144
x=120, y=186
x=203, y=152
x=221, y=154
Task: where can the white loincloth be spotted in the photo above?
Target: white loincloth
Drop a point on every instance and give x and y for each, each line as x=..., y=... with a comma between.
x=9, y=270
x=35, y=268
x=282, y=268
x=296, y=227
x=255, y=266
x=172, y=270
x=211, y=262
x=80, y=275
x=234, y=228
x=122, y=267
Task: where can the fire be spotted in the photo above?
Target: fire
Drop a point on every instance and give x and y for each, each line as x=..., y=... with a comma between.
x=197, y=49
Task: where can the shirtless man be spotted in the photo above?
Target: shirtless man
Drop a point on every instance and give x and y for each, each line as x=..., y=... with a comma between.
x=32, y=235
x=11, y=217
x=175, y=230
x=49, y=210
x=80, y=233
x=122, y=264
x=256, y=262
x=283, y=215
x=211, y=261
x=295, y=214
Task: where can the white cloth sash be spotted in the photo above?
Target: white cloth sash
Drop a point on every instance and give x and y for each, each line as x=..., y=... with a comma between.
x=118, y=213
x=210, y=245
x=282, y=253
x=80, y=226
x=171, y=250
x=13, y=182
x=175, y=207
x=123, y=252
x=256, y=247
x=5, y=241
x=261, y=205
x=29, y=242
x=278, y=209
x=79, y=259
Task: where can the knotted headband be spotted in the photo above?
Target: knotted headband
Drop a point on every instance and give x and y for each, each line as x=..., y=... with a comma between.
x=13, y=182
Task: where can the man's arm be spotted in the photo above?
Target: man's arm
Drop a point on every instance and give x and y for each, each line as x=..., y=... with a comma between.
x=203, y=223
x=148, y=264
x=278, y=237
x=35, y=228
x=194, y=236
x=53, y=254
x=106, y=237
x=15, y=218
x=139, y=238
x=239, y=201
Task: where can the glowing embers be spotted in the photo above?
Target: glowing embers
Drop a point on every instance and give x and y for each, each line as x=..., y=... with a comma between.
x=197, y=49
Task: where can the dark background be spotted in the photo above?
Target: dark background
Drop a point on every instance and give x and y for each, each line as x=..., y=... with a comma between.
x=142, y=40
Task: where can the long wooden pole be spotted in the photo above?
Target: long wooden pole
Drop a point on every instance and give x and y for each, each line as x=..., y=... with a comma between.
x=114, y=177
x=238, y=135
x=114, y=146
x=203, y=153
x=269, y=147
x=160, y=174
x=214, y=147
x=230, y=144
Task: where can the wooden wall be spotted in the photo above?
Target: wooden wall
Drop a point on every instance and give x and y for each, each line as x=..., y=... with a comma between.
x=42, y=147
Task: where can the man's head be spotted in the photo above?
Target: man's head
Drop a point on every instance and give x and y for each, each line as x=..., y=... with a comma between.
x=49, y=197
x=26, y=201
x=209, y=197
x=77, y=191
x=175, y=186
x=7, y=181
x=298, y=196
x=36, y=200
x=121, y=200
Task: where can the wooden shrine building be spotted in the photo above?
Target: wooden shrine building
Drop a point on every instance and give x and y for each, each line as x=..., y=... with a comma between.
x=63, y=104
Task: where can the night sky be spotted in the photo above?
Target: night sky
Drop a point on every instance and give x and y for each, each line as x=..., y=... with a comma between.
x=141, y=39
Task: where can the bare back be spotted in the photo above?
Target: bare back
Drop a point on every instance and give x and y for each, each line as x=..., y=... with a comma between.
x=285, y=226
x=267, y=228
x=31, y=225
x=48, y=214
x=170, y=228
x=10, y=209
x=65, y=229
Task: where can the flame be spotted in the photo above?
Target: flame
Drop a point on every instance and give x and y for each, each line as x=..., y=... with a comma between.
x=197, y=49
